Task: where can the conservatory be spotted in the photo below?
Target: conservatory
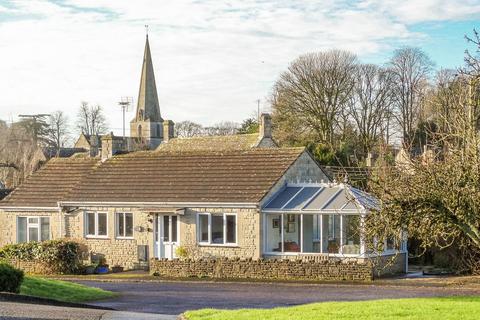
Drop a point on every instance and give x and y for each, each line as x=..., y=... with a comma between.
x=318, y=219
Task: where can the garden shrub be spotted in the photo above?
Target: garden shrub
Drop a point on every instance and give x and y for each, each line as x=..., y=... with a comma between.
x=61, y=255
x=10, y=278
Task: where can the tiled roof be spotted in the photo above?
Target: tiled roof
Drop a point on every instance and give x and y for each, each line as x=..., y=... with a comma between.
x=230, y=176
x=211, y=143
x=199, y=176
x=51, y=183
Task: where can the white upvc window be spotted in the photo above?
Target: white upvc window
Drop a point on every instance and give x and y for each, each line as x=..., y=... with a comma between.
x=33, y=229
x=96, y=224
x=124, y=225
x=217, y=228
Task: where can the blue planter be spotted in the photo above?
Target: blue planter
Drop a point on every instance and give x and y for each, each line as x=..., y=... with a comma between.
x=102, y=270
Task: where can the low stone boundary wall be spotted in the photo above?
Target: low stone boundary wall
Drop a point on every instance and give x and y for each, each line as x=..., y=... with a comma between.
x=32, y=266
x=263, y=269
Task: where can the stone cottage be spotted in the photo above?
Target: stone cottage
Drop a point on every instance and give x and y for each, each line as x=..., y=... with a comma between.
x=235, y=196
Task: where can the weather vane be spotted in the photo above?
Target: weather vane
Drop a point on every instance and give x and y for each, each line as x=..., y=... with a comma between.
x=146, y=29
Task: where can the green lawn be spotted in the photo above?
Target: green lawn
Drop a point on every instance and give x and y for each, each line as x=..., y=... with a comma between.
x=423, y=308
x=61, y=290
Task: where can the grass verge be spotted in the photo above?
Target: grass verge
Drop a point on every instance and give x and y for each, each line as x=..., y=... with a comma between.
x=62, y=290
x=445, y=308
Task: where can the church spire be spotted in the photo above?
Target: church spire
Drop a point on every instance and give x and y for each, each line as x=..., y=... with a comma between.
x=148, y=108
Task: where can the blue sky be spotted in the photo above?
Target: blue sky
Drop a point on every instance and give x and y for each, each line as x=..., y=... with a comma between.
x=213, y=59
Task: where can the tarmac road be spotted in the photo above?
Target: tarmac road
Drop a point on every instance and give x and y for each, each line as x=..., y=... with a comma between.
x=175, y=297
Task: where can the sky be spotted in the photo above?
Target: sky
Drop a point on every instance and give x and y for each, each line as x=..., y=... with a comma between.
x=213, y=59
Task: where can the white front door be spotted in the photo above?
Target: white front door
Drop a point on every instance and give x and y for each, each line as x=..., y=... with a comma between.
x=167, y=231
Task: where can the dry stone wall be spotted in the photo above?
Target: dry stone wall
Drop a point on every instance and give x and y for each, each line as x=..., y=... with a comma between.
x=263, y=269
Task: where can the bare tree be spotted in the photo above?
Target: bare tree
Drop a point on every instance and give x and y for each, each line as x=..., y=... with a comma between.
x=313, y=91
x=224, y=128
x=410, y=68
x=91, y=120
x=187, y=129
x=58, y=134
x=371, y=105
x=435, y=198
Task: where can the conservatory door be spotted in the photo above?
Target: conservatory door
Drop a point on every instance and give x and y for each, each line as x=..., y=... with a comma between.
x=166, y=235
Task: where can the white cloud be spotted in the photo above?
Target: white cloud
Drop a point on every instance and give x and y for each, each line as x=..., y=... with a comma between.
x=212, y=59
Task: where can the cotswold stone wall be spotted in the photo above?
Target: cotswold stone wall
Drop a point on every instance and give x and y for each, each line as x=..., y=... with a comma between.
x=263, y=269
x=33, y=267
x=388, y=265
x=248, y=234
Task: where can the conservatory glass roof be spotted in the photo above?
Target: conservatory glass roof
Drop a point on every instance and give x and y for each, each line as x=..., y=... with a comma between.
x=323, y=197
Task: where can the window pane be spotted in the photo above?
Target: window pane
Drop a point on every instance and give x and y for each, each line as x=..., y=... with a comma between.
x=91, y=223
x=174, y=228
x=331, y=233
x=203, y=227
x=44, y=229
x=217, y=228
x=291, y=236
x=274, y=236
x=128, y=224
x=391, y=243
x=32, y=220
x=351, y=235
x=120, y=225
x=33, y=234
x=166, y=229
x=231, y=229
x=311, y=242
x=22, y=229
x=102, y=224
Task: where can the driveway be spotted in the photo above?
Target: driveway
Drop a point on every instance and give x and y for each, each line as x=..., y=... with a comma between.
x=28, y=311
x=176, y=297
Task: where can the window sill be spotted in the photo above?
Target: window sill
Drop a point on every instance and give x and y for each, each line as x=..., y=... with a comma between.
x=227, y=245
x=91, y=237
x=125, y=238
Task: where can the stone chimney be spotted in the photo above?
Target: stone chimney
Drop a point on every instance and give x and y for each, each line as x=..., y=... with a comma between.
x=107, y=146
x=265, y=128
x=265, y=132
x=168, y=130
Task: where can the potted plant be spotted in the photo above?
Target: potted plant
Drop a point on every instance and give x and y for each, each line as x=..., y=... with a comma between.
x=102, y=267
x=117, y=268
x=90, y=269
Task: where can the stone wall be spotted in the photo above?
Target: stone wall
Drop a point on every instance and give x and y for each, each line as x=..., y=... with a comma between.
x=116, y=251
x=248, y=235
x=388, y=265
x=8, y=224
x=33, y=267
x=263, y=269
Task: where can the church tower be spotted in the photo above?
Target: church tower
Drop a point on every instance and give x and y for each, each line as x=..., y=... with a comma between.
x=148, y=123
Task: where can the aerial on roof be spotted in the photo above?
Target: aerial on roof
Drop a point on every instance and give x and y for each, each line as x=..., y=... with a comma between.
x=211, y=143
x=198, y=176
x=322, y=198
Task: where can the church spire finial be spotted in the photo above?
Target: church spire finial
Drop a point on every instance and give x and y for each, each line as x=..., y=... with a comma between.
x=146, y=30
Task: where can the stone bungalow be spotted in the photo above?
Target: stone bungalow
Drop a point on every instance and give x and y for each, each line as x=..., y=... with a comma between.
x=215, y=197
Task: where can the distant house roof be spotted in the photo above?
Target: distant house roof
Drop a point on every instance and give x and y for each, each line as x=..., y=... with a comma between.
x=50, y=152
x=240, y=176
x=211, y=143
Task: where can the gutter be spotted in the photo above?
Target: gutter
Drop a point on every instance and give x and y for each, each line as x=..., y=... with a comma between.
x=249, y=205
x=33, y=209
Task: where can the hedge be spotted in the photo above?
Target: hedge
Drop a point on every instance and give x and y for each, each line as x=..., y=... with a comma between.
x=62, y=255
x=10, y=278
